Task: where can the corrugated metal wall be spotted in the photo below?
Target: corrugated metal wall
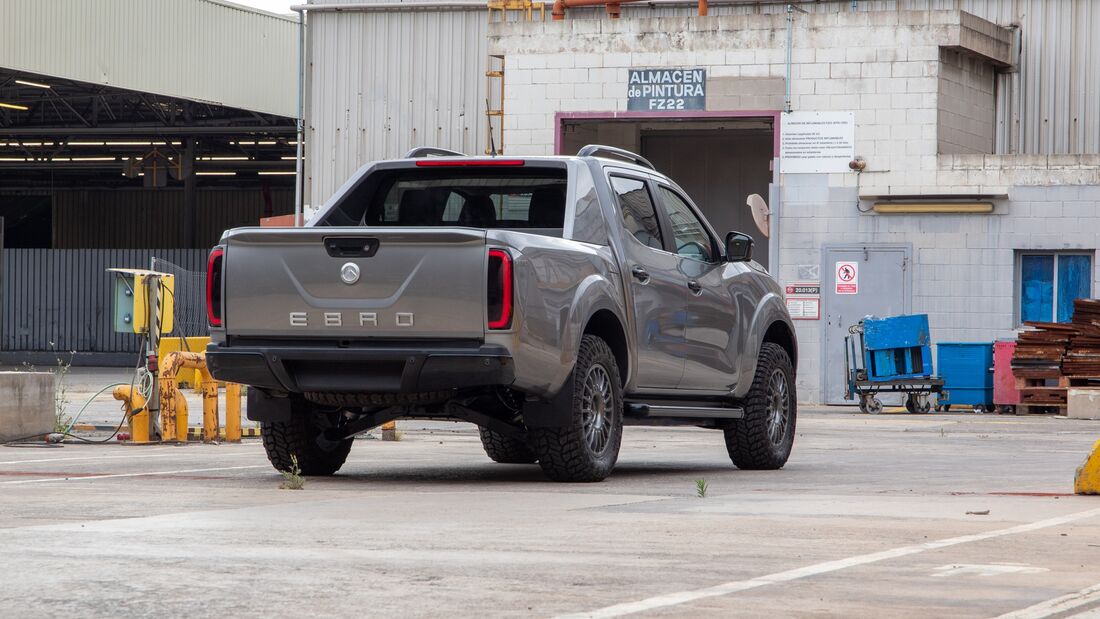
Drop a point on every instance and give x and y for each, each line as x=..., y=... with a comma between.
x=153, y=218
x=385, y=82
x=194, y=49
x=60, y=299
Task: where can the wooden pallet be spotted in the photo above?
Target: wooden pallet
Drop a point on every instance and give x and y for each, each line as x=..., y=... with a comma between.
x=1040, y=409
x=1042, y=383
x=1043, y=396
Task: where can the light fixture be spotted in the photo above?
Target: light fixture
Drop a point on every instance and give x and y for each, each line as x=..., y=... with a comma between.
x=933, y=207
x=32, y=84
x=277, y=173
x=215, y=173
x=92, y=159
x=14, y=106
x=224, y=158
x=86, y=144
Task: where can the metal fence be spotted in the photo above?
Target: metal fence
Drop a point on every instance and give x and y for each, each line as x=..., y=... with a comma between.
x=60, y=299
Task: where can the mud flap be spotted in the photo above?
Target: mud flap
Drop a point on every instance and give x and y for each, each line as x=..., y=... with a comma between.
x=555, y=412
x=263, y=407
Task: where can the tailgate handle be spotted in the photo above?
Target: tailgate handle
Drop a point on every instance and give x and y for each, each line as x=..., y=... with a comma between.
x=351, y=246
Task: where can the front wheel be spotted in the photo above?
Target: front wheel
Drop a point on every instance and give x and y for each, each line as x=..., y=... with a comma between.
x=587, y=448
x=763, y=438
x=303, y=438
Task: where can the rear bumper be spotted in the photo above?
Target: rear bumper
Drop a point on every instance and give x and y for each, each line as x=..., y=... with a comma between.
x=389, y=368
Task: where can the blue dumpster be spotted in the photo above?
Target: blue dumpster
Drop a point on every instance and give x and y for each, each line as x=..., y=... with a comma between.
x=967, y=372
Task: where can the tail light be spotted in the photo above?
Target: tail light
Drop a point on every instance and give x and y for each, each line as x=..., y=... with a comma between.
x=499, y=294
x=214, y=286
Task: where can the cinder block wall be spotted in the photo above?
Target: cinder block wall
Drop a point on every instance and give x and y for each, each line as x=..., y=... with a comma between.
x=966, y=104
x=924, y=123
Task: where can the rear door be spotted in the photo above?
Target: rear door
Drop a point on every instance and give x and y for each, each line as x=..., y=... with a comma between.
x=356, y=282
x=656, y=285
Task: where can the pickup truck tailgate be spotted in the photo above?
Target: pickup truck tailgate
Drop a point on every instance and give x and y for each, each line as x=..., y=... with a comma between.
x=302, y=282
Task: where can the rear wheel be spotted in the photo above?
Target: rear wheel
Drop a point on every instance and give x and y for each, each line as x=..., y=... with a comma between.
x=303, y=438
x=587, y=448
x=763, y=438
x=504, y=449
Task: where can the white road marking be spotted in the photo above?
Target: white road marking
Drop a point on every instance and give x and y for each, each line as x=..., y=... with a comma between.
x=144, y=455
x=993, y=569
x=683, y=597
x=1060, y=605
x=148, y=454
x=145, y=474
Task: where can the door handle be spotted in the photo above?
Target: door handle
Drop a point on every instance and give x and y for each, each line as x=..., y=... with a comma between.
x=640, y=274
x=695, y=286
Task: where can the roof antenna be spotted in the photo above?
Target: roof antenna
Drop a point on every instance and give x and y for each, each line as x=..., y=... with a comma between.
x=489, y=118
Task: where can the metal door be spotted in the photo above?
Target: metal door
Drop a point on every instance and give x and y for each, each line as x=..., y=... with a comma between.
x=876, y=281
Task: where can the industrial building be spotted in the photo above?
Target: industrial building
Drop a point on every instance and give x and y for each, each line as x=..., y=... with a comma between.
x=174, y=121
x=943, y=155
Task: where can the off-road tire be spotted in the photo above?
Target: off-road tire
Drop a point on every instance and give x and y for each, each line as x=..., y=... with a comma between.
x=748, y=441
x=564, y=453
x=344, y=399
x=298, y=437
x=504, y=449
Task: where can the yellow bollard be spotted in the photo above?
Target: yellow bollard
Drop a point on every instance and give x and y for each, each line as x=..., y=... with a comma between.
x=1087, y=479
x=139, y=423
x=209, y=408
x=233, y=412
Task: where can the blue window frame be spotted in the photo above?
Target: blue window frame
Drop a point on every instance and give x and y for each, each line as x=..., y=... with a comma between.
x=1049, y=282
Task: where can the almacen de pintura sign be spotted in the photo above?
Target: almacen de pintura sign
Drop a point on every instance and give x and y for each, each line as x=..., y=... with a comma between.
x=652, y=90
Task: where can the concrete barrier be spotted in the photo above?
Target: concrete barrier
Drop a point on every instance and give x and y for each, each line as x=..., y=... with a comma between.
x=1083, y=403
x=26, y=404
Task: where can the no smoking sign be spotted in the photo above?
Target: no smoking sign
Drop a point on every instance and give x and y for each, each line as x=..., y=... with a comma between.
x=847, y=278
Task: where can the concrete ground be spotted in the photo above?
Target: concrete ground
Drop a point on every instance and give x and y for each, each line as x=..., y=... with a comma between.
x=887, y=516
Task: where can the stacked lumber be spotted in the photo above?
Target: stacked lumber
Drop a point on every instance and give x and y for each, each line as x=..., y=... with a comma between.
x=1050, y=356
x=1082, y=356
x=1039, y=350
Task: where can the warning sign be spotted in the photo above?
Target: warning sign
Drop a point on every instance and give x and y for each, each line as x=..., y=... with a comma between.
x=804, y=300
x=847, y=278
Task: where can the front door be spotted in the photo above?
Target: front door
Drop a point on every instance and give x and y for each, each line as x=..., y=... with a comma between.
x=658, y=289
x=711, y=333
x=858, y=281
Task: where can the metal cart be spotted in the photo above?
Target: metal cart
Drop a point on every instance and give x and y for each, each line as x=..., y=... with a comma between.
x=902, y=368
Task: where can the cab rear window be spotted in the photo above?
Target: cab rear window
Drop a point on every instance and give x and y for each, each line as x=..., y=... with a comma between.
x=521, y=198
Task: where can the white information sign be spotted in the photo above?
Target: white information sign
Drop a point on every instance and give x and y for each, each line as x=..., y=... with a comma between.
x=804, y=300
x=816, y=142
x=847, y=278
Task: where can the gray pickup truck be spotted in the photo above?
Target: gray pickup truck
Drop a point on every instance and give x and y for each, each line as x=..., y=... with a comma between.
x=548, y=300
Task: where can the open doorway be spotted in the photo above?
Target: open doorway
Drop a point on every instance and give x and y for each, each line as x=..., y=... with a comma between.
x=719, y=162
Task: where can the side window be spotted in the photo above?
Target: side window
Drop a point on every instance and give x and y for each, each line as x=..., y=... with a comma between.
x=1049, y=282
x=639, y=216
x=692, y=240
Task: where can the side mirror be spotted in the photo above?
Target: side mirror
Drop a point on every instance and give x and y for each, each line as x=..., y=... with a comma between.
x=738, y=247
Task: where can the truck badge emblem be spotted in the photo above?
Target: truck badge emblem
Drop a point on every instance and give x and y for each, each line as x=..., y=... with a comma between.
x=349, y=273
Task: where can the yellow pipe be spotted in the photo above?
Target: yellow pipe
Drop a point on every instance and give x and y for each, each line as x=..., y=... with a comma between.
x=171, y=364
x=139, y=423
x=233, y=412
